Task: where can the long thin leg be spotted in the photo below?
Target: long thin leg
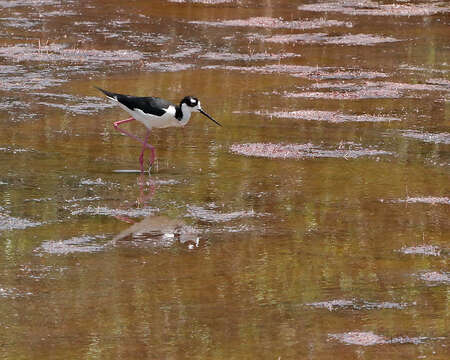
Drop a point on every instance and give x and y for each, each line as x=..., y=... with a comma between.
x=143, y=142
x=141, y=157
x=116, y=126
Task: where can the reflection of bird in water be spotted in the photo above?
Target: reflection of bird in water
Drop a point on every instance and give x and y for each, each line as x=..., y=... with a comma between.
x=154, y=112
x=160, y=231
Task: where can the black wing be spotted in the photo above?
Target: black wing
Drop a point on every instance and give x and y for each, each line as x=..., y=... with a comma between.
x=149, y=105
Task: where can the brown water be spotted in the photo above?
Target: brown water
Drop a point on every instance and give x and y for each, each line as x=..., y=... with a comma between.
x=314, y=224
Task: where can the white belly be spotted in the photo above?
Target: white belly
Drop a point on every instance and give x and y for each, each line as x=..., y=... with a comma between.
x=153, y=121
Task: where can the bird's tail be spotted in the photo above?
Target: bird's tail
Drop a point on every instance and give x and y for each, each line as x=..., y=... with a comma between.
x=107, y=93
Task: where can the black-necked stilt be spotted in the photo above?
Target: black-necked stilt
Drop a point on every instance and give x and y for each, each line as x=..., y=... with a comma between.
x=154, y=112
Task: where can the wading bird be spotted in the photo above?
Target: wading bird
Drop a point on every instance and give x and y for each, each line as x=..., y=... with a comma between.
x=154, y=112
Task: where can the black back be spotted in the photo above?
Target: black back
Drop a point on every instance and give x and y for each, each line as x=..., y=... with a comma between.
x=149, y=105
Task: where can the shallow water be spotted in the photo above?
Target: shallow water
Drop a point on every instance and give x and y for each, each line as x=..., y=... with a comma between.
x=313, y=224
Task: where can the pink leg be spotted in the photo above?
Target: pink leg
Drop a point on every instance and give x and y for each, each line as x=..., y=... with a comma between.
x=141, y=157
x=143, y=142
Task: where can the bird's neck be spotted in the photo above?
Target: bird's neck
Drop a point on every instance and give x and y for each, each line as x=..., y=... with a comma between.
x=183, y=113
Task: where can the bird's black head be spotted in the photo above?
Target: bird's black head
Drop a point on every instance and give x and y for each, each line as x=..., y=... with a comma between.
x=192, y=104
x=190, y=101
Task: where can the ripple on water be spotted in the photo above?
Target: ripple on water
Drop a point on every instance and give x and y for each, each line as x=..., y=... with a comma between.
x=12, y=293
x=167, y=66
x=39, y=272
x=226, y=56
x=98, y=181
x=420, y=200
x=12, y=223
x=368, y=90
x=240, y=229
x=184, y=51
x=87, y=198
x=435, y=277
x=425, y=69
x=21, y=23
x=436, y=138
x=137, y=39
x=75, y=104
x=10, y=69
x=323, y=38
x=328, y=116
x=372, y=8
x=359, y=338
x=78, y=244
x=56, y=52
x=346, y=95
x=12, y=150
x=354, y=304
x=309, y=72
x=105, y=211
x=275, y=23
x=31, y=80
x=412, y=87
x=421, y=250
x=438, y=81
x=368, y=338
x=302, y=151
x=38, y=200
x=211, y=215
x=54, y=13
x=79, y=109
x=16, y=3
x=164, y=182
x=204, y=2
x=10, y=107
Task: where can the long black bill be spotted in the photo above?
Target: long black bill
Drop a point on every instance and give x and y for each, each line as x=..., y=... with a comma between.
x=209, y=117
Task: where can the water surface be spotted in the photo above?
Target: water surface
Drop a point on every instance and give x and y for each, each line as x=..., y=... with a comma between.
x=314, y=224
